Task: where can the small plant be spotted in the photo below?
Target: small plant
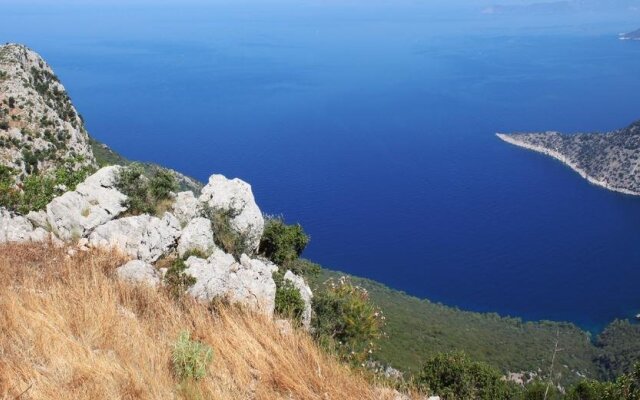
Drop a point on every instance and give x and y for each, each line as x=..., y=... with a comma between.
x=177, y=280
x=225, y=236
x=289, y=303
x=282, y=243
x=190, y=358
x=346, y=319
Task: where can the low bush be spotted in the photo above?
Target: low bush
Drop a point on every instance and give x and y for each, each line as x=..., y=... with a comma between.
x=225, y=237
x=190, y=358
x=346, y=320
x=453, y=376
x=176, y=280
x=146, y=192
x=289, y=303
x=282, y=243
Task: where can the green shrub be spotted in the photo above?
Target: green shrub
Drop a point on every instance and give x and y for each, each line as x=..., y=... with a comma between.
x=225, y=237
x=37, y=190
x=145, y=191
x=282, y=243
x=176, y=280
x=539, y=390
x=190, y=358
x=4, y=125
x=453, y=376
x=162, y=183
x=345, y=319
x=289, y=303
x=626, y=387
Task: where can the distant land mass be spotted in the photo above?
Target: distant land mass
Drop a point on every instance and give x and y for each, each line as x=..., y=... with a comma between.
x=610, y=160
x=635, y=35
x=533, y=8
x=546, y=7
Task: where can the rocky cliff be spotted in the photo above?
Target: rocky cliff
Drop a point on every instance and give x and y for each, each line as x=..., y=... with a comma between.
x=39, y=127
x=610, y=160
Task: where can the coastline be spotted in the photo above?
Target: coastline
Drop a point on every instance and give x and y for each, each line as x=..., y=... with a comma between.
x=563, y=159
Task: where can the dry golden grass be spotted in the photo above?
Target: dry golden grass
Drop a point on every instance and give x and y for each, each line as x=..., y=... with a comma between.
x=69, y=330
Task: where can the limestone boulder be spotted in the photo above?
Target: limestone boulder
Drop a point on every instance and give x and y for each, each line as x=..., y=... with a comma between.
x=197, y=236
x=18, y=229
x=185, y=207
x=95, y=202
x=248, y=282
x=143, y=237
x=136, y=271
x=306, y=294
x=235, y=197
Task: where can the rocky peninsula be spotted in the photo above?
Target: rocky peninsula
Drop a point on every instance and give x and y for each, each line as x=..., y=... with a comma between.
x=635, y=35
x=609, y=160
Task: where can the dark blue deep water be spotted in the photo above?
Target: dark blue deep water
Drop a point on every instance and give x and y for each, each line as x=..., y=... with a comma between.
x=373, y=124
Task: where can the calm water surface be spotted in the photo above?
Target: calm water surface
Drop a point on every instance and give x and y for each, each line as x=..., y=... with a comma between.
x=373, y=126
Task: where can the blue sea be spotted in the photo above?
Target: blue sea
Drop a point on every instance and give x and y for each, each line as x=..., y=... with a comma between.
x=372, y=123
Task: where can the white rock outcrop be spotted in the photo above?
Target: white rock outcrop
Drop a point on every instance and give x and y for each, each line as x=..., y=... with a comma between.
x=142, y=237
x=18, y=229
x=198, y=236
x=185, y=207
x=94, y=202
x=306, y=294
x=136, y=271
x=249, y=281
x=235, y=196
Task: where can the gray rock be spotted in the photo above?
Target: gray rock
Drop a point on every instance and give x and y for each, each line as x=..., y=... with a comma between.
x=137, y=271
x=18, y=229
x=236, y=195
x=143, y=237
x=94, y=202
x=306, y=294
x=197, y=235
x=186, y=207
x=38, y=219
x=248, y=282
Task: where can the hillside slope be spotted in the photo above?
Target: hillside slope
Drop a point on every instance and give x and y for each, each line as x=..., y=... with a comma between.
x=70, y=330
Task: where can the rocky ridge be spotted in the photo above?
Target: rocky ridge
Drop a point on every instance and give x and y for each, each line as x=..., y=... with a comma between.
x=610, y=160
x=39, y=126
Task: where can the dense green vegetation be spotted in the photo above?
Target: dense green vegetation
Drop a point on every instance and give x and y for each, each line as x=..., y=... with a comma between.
x=619, y=346
x=418, y=329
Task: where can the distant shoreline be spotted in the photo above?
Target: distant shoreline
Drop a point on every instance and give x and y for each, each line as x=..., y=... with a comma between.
x=563, y=159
